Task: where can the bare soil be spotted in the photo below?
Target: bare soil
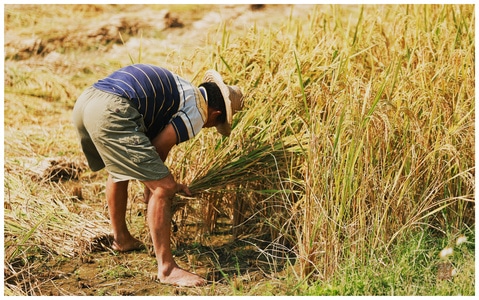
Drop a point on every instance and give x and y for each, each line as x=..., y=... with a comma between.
x=231, y=267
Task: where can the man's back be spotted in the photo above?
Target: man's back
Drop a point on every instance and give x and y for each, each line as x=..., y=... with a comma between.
x=161, y=97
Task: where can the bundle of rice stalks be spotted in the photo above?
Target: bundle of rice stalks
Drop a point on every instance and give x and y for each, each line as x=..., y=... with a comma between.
x=257, y=164
x=54, y=168
x=49, y=219
x=41, y=222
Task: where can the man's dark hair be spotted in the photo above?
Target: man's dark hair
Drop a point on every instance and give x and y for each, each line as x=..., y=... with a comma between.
x=215, y=99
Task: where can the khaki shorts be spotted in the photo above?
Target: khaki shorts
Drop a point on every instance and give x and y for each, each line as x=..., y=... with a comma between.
x=112, y=136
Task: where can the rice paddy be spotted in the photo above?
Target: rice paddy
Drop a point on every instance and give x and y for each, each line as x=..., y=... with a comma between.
x=350, y=170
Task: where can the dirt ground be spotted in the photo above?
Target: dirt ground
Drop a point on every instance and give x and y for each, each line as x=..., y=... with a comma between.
x=233, y=267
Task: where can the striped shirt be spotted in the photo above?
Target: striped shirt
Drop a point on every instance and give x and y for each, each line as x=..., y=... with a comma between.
x=161, y=97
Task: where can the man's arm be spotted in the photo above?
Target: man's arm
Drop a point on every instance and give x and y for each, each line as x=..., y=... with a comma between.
x=164, y=141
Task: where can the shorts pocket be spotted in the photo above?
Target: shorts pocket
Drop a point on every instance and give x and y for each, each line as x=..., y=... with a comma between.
x=138, y=148
x=118, y=105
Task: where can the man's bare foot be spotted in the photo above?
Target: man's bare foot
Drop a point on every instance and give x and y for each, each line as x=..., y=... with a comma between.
x=180, y=277
x=129, y=245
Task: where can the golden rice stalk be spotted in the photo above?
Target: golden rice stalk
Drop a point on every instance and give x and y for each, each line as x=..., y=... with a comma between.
x=47, y=221
x=254, y=165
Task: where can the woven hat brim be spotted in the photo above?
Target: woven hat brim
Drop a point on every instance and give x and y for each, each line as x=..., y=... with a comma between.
x=213, y=76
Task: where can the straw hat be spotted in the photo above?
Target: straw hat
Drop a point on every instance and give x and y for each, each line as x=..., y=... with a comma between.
x=232, y=96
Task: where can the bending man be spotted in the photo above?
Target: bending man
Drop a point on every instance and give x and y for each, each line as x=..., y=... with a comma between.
x=127, y=123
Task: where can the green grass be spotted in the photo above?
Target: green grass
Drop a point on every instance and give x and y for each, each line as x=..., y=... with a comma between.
x=410, y=269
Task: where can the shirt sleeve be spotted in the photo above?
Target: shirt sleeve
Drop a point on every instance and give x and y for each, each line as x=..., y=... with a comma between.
x=190, y=118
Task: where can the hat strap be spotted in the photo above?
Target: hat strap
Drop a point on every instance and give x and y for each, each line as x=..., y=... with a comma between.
x=204, y=93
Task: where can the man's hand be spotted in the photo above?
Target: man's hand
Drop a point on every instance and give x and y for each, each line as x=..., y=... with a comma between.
x=183, y=188
x=179, y=188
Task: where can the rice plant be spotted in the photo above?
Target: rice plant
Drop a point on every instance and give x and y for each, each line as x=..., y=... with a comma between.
x=358, y=129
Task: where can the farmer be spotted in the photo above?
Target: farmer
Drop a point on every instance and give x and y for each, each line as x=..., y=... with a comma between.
x=127, y=123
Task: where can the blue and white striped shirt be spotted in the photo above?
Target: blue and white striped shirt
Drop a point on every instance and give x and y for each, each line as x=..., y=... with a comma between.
x=161, y=97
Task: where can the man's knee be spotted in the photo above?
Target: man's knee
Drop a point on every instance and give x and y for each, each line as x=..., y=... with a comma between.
x=163, y=188
x=165, y=191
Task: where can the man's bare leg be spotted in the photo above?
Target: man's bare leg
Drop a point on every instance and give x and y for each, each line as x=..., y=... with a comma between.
x=159, y=220
x=117, y=197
